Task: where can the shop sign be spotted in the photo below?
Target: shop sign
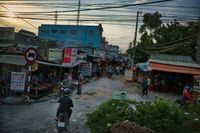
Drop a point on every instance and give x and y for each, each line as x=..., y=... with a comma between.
x=34, y=67
x=129, y=74
x=70, y=52
x=55, y=54
x=69, y=56
x=120, y=95
x=86, y=69
x=18, y=81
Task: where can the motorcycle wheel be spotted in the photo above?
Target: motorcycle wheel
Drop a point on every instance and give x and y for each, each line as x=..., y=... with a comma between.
x=61, y=130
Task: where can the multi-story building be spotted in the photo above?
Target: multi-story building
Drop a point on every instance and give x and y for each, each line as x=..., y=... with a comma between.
x=112, y=52
x=113, y=48
x=72, y=35
x=25, y=37
x=7, y=33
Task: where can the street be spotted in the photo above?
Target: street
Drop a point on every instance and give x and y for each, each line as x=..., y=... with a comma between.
x=39, y=117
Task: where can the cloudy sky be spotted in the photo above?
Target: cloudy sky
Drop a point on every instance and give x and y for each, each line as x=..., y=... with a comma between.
x=118, y=23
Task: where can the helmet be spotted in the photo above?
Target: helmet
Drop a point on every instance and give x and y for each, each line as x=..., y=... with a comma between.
x=66, y=75
x=66, y=91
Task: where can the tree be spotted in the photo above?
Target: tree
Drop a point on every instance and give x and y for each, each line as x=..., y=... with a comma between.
x=169, y=38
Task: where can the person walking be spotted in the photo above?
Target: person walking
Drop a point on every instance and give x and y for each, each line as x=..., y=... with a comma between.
x=144, y=87
x=80, y=83
x=148, y=83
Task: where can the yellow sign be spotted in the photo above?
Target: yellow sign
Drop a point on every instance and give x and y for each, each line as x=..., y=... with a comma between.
x=34, y=67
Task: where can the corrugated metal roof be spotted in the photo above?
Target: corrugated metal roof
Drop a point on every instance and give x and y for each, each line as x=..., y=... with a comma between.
x=176, y=63
x=173, y=68
x=179, y=58
x=13, y=59
x=174, y=60
x=58, y=65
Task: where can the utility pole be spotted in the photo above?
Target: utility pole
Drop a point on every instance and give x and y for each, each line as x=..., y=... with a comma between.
x=135, y=38
x=78, y=11
x=56, y=17
x=198, y=45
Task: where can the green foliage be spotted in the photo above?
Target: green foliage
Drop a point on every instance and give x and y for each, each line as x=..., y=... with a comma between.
x=107, y=114
x=162, y=116
x=151, y=21
x=192, y=121
x=171, y=38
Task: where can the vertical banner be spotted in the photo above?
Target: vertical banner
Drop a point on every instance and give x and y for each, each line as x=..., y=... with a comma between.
x=69, y=56
x=18, y=81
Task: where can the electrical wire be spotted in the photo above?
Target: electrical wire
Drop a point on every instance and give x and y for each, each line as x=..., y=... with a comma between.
x=19, y=16
x=103, y=8
x=172, y=42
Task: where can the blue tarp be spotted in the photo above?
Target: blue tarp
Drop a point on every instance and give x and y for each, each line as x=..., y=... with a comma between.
x=143, y=66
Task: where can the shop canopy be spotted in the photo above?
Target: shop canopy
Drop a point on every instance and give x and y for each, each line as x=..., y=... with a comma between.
x=13, y=59
x=57, y=65
x=173, y=68
x=171, y=63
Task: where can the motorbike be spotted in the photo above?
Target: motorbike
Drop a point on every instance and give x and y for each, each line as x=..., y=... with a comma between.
x=62, y=123
x=64, y=85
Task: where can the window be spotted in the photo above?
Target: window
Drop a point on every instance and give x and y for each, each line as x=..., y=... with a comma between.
x=62, y=32
x=45, y=31
x=90, y=43
x=73, y=32
x=53, y=31
x=72, y=43
x=90, y=33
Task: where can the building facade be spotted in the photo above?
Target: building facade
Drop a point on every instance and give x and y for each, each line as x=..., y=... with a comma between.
x=72, y=35
x=25, y=37
x=7, y=33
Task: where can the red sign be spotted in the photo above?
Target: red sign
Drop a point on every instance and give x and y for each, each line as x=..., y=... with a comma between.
x=69, y=55
x=67, y=60
x=67, y=51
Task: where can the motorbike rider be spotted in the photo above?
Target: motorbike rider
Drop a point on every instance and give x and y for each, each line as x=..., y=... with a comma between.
x=66, y=104
x=67, y=79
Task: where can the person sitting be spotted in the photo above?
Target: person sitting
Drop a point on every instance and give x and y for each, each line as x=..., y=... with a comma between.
x=186, y=95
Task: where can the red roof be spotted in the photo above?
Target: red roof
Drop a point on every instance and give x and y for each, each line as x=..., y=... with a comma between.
x=173, y=68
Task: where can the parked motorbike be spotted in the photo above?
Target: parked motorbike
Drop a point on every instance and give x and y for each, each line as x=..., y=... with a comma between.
x=62, y=123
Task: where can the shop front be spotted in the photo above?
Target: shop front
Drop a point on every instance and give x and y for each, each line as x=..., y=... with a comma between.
x=172, y=77
x=13, y=74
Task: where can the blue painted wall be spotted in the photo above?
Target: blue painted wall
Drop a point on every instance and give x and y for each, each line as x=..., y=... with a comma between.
x=71, y=35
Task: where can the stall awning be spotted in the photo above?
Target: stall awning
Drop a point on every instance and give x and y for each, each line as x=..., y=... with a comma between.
x=13, y=60
x=57, y=65
x=173, y=68
x=143, y=66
